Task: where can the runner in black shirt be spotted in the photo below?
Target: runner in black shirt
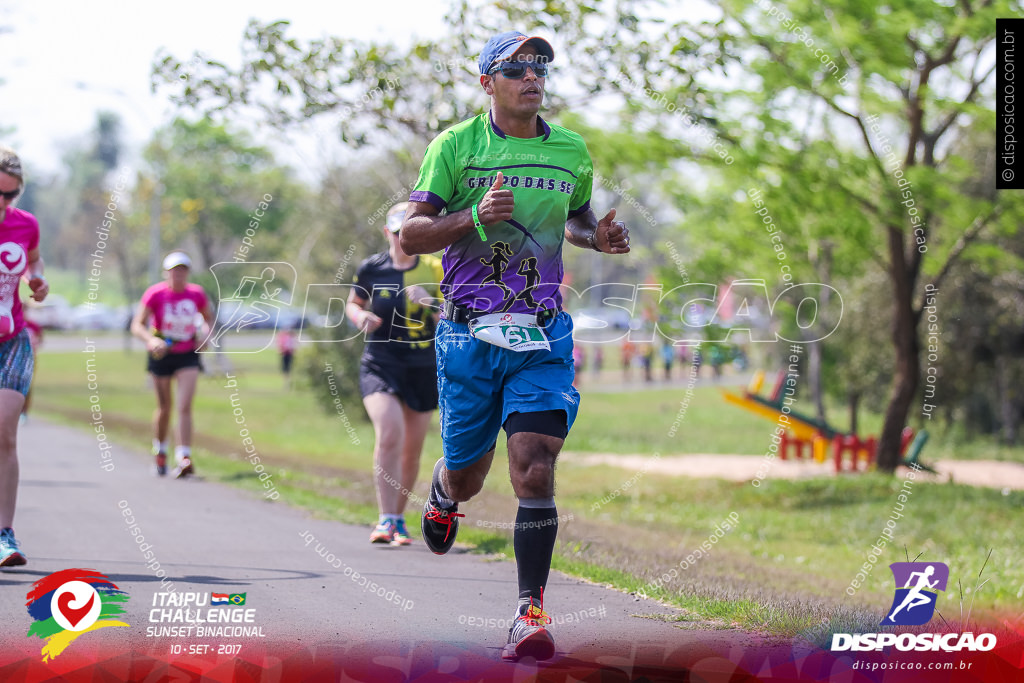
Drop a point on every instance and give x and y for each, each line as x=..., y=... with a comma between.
x=394, y=302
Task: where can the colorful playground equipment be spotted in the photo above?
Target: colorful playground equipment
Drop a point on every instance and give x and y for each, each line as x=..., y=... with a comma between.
x=799, y=432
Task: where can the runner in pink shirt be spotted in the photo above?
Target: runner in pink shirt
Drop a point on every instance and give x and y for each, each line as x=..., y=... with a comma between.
x=287, y=342
x=19, y=260
x=167, y=320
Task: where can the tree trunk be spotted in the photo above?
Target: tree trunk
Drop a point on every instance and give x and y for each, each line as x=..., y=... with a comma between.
x=815, y=379
x=205, y=243
x=908, y=351
x=853, y=402
x=1008, y=423
x=903, y=391
x=821, y=257
x=121, y=254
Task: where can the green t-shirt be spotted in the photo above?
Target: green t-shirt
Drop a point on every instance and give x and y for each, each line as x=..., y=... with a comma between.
x=519, y=267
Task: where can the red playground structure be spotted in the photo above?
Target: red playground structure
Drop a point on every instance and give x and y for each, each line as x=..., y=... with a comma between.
x=849, y=452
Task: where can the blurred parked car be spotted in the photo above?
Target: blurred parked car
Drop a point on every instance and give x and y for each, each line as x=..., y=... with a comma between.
x=258, y=315
x=54, y=313
x=97, y=317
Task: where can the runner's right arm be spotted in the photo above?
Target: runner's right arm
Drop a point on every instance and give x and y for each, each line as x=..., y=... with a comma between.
x=425, y=232
x=141, y=330
x=355, y=309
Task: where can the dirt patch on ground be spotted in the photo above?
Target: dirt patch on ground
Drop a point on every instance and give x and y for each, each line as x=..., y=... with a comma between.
x=990, y=473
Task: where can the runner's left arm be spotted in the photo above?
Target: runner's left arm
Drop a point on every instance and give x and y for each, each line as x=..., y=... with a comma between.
x=582, y=229
x=605, y=235
x=209, y=319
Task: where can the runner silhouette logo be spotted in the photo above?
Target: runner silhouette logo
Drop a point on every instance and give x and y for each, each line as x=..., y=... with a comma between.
x=253, y=299
x=917, y=587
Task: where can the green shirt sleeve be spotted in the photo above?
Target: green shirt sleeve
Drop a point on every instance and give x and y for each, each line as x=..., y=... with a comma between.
x=580, y=199
x=438, y=175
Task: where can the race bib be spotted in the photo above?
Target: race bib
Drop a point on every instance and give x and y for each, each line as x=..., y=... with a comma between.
x=515, y=331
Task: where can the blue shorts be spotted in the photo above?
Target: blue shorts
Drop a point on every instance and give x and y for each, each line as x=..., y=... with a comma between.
x=16, y=363
x=479, y=385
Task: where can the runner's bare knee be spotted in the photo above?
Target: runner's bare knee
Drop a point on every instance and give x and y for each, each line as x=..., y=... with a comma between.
x=463, y=484
x=532, y=453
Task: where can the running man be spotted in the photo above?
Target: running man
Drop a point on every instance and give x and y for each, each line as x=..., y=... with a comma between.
x=19, y=260
x=393, y=303
x=479, y=173
x=914, y=597
x=172, y=307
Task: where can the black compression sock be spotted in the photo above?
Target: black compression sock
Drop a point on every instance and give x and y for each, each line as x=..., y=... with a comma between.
x=534, y=541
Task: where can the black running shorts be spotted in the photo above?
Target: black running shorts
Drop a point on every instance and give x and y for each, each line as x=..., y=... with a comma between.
x=172, y=362
x=416, y=386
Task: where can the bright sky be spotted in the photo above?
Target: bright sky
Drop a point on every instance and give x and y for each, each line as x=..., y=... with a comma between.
x=64, y=61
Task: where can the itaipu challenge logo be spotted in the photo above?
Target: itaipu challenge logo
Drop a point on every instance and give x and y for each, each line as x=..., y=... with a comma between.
x=70, y=603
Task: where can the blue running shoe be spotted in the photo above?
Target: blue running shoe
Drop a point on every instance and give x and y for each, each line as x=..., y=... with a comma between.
x=401, y=536
x=10, y=553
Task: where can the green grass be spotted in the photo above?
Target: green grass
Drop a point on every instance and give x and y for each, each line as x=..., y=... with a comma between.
x=814, y=535
x=666, y=421
x=783, y=570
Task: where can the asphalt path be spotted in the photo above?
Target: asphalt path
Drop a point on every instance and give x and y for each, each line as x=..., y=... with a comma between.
x=309, y=583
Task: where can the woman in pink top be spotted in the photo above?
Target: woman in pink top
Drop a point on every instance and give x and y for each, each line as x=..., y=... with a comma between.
x=167, y=321
x=19, y=260
x=287, y=342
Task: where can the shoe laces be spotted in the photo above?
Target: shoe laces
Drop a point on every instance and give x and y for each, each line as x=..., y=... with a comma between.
x=439, y=516
x=535, y=614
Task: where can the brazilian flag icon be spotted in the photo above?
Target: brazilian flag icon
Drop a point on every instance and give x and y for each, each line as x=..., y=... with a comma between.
x=237, y=598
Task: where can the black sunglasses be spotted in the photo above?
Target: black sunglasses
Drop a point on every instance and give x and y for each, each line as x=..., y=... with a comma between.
x=12, y=195
x=516, y=70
